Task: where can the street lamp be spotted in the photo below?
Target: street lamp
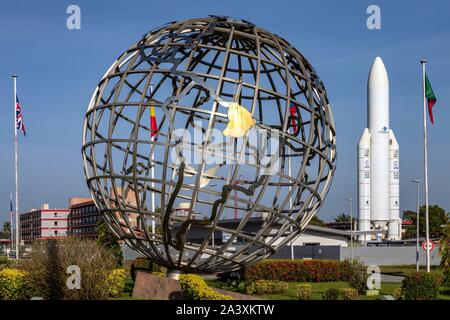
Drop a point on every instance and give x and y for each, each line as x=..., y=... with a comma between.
x=417, y=182
x=351, y=227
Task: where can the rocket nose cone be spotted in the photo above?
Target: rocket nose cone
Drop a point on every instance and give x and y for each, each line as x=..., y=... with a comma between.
x=378, y=75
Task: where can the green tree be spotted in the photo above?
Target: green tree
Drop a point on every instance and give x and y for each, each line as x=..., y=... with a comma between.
x=316, y=221
x=444, y=253
x=438, y=220
x=6, y=230
x=109, y=241
x=342, y=217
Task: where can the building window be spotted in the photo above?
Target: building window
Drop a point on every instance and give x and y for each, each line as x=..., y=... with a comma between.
x=56, y=223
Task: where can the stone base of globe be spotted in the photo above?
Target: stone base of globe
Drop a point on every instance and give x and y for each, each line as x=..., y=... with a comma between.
x=153, y=287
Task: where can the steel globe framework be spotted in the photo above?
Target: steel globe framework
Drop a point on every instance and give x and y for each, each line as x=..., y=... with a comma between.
x=169, y=197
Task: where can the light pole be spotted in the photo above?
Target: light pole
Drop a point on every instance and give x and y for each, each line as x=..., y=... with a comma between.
x=351, y=227
x=417, y=182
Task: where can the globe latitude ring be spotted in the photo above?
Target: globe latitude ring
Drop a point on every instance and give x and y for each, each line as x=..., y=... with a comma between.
x=197, y=216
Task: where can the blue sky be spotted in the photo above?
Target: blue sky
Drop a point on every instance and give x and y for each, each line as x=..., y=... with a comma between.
x=59, y=68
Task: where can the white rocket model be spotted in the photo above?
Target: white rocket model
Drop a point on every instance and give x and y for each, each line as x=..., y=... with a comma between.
x=378, y=163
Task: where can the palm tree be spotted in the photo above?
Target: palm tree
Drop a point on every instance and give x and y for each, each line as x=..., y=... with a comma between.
x=342, y=217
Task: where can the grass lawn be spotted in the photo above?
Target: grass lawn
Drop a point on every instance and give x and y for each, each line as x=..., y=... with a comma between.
x=405, y=270
x=320, y=287
x=317, y=287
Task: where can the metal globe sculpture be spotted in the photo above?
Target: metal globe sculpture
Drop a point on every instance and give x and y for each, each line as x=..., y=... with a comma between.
x=209, y=144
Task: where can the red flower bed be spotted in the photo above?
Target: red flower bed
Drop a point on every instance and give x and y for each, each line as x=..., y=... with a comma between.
x=298, y=270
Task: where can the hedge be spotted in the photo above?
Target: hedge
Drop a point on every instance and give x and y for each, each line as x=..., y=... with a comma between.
x=15, y=285
x=194, y=287
x=116, y=282
x=300, y=270
x=421, y=286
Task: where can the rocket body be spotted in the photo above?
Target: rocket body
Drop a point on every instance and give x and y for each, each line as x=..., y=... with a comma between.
x=378, y=183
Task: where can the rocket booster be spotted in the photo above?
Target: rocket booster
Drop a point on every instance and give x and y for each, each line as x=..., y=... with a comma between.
x=377, y=154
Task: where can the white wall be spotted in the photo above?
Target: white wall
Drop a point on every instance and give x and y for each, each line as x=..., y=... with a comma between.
x=322, y=239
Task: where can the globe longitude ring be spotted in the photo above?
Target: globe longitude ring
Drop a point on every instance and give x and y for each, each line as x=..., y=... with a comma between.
x=209, y=144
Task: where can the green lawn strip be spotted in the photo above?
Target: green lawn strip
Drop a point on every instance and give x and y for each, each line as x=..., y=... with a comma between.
x=404, y=270
x=387, y=288
x=318, y=289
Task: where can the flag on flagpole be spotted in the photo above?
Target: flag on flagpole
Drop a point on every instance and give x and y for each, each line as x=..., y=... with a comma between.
x=294, y=116
x=431, y=98
x=153, y=125
x=19, y=117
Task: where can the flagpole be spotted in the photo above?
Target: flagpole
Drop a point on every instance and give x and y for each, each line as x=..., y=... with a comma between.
x=153, y=171
x=11, y=226
x=290, y=201
x=16, y=167
x=425, y=144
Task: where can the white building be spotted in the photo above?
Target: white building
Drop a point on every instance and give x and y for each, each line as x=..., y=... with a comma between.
x=43, y=223
x=322, y=236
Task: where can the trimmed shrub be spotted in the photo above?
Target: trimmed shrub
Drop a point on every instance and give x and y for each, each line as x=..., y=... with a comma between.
x=397, y=293
x=357, y=275
x=421, y=286
x=3, y=260
x=331, y=294
x=349, y=294
x=194, y=287
x=116, y=282
x=304, y=292
x=279, y=287
x=298, y=270
x=15, y=285
x=261, y=287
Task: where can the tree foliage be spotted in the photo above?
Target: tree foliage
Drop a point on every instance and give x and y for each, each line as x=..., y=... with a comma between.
x=444, y=252
x=316, y=221
x=5, y=233
x=342, y=217
x=438, y=220
x=107, y=239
